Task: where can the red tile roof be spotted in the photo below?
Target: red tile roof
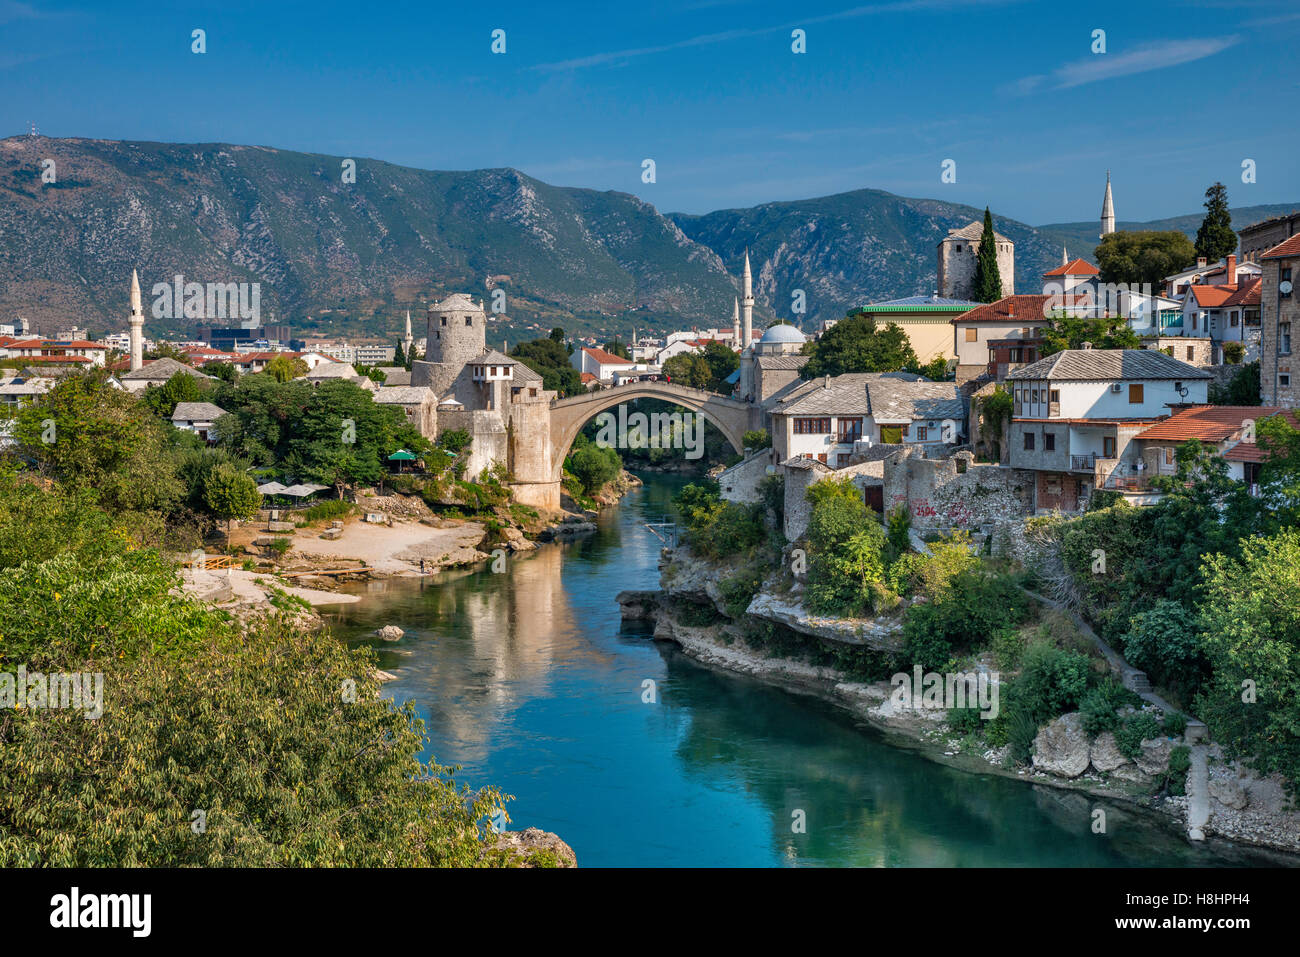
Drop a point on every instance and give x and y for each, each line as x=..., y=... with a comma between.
x=586, y=377
x=1013, y=309
x=57, y=360
x=1208, y=423
x=1075, y=267
x=1290, y=247
x=605, y=358
x=1251, y=452
x=1212, y=296
x=1247, y=293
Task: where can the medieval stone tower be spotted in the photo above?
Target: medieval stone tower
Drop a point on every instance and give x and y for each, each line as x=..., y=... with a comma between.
x=457, y=334
x=958, y=252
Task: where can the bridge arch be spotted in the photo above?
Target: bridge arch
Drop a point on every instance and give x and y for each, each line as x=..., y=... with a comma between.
x=730, y=416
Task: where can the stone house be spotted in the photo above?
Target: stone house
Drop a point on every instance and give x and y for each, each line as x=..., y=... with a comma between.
x=1279, y=313
x=1076, y=413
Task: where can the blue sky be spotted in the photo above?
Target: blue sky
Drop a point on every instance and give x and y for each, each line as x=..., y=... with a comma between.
x=708, y=89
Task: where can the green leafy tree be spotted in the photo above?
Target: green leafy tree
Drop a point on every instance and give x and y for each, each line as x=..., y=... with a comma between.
x=1144, y=256
x=594, y=467
x=163, y=399
x=399, y=355
x=987, y=283
x=856, y=344
x=1071, y=332
x=1250, y=617
x=1215, y=239
x=617, y=347
x=85, y=433
x=689, y=369
x=549, y=359
x=282, y=368
x=230, y=494
x=1242, y=388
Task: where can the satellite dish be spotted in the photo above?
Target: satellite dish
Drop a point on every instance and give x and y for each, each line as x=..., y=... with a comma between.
x=1284, y=287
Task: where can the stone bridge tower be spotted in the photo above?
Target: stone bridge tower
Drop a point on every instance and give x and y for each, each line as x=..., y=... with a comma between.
x=457, y=334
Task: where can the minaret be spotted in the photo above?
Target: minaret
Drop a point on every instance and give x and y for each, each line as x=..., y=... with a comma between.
x=747, y=304
x=1065, y=257
x=407, y=340
x=1107, y=210
x=137, y=324
x=735, y=323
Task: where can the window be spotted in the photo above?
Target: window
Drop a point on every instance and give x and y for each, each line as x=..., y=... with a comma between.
x=1284, y=380
x=1029, y=441
x=1233, y=318
x=1056, y=395
x=1284, y=338
x=469, y=321
x=812, y=426
x=1035, y=394
x=1169, y=456
x=922, y=433
x=850, y=430
x=1108, y=447
x=1191, y=353
x=842, y=460
x=444, y=320
x=972, y=335
x=1049, y=441
x=1135, y=394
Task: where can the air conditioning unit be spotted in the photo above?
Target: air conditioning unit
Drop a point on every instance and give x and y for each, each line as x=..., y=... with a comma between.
x=1116, y=387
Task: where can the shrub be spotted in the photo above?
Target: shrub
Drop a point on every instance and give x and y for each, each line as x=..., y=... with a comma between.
x=840, y=580
x=1175, y=723
x=1022, y=729
x=1136, y=729
x=1233, y=352
x=756, y=439
x=899, y=522
x=594, y=467
x=739, y=590
x=327, y=510
x=1180, y=762
x=455, y=441
x=1051, y=681
x=965, y=720
x=1100, y=706
x=1165, y=642
x=973, y=609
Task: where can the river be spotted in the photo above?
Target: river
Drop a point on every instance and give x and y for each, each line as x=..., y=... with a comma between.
x=528, y=680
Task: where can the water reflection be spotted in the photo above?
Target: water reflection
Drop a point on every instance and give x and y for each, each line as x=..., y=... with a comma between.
x=528, y=680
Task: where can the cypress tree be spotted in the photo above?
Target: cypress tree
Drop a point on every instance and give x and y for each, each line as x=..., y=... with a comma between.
x=1215, y=239
x=399, y=355
x=987, y=286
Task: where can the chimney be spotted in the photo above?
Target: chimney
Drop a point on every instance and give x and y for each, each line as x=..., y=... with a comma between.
x=1087, y=345
x=827, y=383
x=1231, y=275
x=1201, y=262
x=1011, y=308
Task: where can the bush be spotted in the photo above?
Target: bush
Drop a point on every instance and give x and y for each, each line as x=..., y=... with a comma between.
x=455, y=441
x=1052, y=681
x=841, y=580
x=899, y=522
x=1165, y=642
x=1180, y=762
x=1022, y=729
x=326, y=511
x=965, y=720
x=1100, y=706
x=1175, y=723
x=973, y=610
x=594, y=467
x=1233, y=352
x=756, y=439
x=1136, y=729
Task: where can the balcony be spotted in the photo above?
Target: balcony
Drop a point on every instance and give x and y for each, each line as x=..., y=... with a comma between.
x=1083, y=463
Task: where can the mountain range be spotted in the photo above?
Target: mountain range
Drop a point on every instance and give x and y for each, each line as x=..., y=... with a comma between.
x=333, y=256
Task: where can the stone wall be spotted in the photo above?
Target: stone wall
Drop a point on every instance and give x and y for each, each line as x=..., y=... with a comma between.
x=740, y=482
x=490, y=440
x=956, y=492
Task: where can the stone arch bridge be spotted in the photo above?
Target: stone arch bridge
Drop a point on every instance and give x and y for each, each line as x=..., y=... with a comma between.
x=731, y=417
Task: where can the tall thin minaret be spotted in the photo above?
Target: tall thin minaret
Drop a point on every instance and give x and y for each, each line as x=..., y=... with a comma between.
x=137, y=324
x=746, y=305
x=407, y=340
x=735, y=323
x=1107, y=210
x=1065, y=257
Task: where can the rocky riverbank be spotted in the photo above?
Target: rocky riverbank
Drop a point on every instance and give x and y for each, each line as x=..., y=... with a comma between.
x=1240, y=806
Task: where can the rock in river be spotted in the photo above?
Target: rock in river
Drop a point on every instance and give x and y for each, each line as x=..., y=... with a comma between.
x=389, y=633
x=1062, y=747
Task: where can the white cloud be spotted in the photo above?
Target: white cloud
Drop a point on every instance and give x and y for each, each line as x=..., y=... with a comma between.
x=1141, y=59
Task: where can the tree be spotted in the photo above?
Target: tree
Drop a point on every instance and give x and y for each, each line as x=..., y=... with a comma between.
x=549, y=359
x=856, y=344
x=399, y=355
x=594, y=467
x=230, y=494
x=1215, y=239
x=987, y=284
x=1071, y=332
x=1143, y=257
x=221, y=370
x=1250, y=617
x=689, y=369
x=181, y=387
x=617, y=347
x=282, y=368
x=85, y=433
x=1242, y=388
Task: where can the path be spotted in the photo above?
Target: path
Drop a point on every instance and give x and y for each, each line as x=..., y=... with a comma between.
x=392, y=549
x=1198, y=793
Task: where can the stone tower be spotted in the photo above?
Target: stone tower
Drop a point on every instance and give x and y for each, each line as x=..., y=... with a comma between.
x=1107, y=210
x=958, y=253
x=457, y=333
x=137, y=324
x=746, y=305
